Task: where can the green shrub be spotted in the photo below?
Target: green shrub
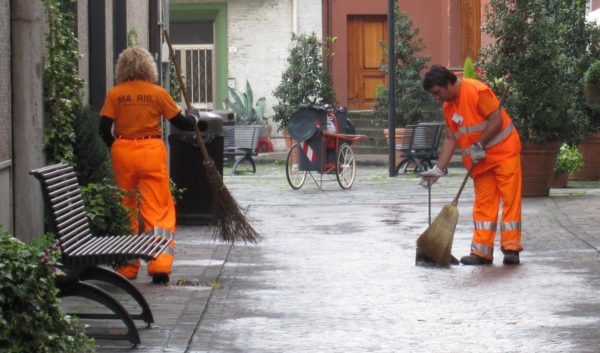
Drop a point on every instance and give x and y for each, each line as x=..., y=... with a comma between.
x=569, y=160
x=544, y=45
x=306, y=80
x=104, y=209
x=102, y=199
x=30, y=316
x=591, y=83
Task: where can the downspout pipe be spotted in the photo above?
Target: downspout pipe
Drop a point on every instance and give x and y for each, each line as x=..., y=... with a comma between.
x=391, y=90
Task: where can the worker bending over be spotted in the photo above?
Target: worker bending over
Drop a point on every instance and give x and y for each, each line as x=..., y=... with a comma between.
x=484, y=132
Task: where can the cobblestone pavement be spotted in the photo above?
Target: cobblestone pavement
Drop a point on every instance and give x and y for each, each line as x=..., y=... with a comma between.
x=336, y=273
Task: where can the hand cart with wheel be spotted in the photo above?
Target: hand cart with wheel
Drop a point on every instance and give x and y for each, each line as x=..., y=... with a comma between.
x=324, y=138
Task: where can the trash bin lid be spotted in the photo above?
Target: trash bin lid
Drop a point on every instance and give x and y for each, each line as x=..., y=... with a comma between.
x=302, y=125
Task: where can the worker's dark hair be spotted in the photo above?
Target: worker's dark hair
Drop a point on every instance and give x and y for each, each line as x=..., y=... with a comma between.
x=438, y=76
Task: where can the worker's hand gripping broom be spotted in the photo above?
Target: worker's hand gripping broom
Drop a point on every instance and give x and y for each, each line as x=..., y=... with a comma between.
x=436, y=242
x=229, y=221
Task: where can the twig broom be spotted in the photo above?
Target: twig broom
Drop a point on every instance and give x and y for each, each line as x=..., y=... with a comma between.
x=436, y=242
x=229, y=222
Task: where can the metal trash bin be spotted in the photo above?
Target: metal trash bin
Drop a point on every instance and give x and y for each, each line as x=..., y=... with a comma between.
x=187, y=170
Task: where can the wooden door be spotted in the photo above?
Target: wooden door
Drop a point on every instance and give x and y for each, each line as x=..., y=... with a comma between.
x=365, y=56
x=470, y=29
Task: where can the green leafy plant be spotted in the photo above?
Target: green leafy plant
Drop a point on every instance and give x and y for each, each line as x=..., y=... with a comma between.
x=469, y=69
x=132, y=37
x=306, y=80
x=103, y=207
x=569, y=160
x=242, y=104
x=62, y=84
x=545, y=45
x=413, y=104
x=31, y=319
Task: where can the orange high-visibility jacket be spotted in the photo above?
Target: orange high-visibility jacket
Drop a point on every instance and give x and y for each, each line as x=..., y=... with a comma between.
x=466, y=124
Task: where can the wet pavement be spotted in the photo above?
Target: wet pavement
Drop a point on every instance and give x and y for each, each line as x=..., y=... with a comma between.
x=336, y=273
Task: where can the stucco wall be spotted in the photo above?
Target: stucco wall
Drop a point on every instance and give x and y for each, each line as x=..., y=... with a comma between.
x=5, y=119
x=137, y=18
x=28, y=45
x=83, y=37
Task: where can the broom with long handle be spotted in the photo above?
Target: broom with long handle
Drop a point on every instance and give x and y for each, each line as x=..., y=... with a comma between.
x=436, y=242
x=229, y=221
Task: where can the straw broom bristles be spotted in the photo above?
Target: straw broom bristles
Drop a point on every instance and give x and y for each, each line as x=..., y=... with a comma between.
x=436, y=241
x=229, y=221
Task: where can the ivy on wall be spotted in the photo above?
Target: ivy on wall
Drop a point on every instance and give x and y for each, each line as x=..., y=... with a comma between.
x=62, y=84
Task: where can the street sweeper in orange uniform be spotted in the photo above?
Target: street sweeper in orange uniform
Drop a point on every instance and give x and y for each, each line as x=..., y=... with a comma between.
x=139, y=156
x=484, y=132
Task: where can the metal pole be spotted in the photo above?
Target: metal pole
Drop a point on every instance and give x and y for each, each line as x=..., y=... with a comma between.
x=391, y=89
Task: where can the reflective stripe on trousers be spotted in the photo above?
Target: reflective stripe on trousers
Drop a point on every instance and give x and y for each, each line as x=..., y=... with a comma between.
x=502, y=182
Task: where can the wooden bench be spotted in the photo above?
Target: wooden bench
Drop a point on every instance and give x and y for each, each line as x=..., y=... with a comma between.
x=420, y=147
x=82, y=252
x=241, y=142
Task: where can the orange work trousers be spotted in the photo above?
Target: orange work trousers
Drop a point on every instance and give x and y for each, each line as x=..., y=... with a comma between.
x=502, y=182
x=140, y=166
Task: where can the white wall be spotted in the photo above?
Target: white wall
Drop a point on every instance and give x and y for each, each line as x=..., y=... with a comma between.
x=138, y=15
x=259, y=34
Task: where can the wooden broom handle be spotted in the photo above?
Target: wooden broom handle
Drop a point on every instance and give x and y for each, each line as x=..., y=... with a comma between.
x=464, y=182
x=184, y=93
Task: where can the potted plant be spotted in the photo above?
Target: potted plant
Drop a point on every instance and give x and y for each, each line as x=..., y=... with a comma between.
x=245, y=111
x=569, y=161
x=542, y=44
x=590, y=148
x=306, y=80
x=413, y=104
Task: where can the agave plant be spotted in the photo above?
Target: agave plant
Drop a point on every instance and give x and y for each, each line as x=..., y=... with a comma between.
x=242, y=104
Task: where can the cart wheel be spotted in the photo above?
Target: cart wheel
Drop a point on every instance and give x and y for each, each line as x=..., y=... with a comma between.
x=346, y=166
x=295, y=176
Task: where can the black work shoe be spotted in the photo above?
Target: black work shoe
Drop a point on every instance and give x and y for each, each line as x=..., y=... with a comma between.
x=511, y=257
x=160, y=278
x=474, y=260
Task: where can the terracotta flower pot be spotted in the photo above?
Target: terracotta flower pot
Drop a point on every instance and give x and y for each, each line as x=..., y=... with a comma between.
x=537, y=165
x=590, y=150
x=559, y=180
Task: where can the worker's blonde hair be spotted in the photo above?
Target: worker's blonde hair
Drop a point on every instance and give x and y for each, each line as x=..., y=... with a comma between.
x=136, y=63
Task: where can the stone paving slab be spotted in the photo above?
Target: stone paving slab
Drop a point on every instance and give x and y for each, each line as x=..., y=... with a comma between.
x=336, y=273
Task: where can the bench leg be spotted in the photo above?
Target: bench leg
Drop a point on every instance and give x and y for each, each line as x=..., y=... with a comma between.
x=90, y=291
x=114, y=278
x=239, y=160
